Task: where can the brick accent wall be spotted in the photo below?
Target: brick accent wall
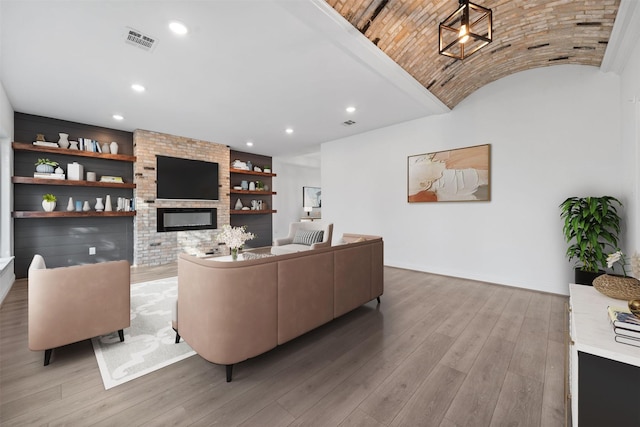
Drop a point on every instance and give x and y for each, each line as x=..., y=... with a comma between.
x=151, y=247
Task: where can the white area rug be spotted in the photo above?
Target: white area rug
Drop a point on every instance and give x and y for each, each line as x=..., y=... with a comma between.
x=149, y=343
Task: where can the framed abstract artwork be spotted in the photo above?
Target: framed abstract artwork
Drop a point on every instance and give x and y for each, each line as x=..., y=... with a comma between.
x=461, y=174
x=311, y=197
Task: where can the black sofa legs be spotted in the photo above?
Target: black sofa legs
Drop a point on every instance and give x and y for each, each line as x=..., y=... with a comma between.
x=229, y=372
x=121, y=334
x=177, y=335
x=47, y=356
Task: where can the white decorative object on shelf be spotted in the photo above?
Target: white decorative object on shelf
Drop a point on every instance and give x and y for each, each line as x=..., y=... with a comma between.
x=113, y=147
x=252, y=186
x=99, y=204
x=238, y=205
x=107, y=204
x=105, y=148
x=74, y=145
x=75, y=171
x=91, y=176
x=237, y=164
x=63, y=142
x=70, y=206
x=86, y=206
x=48, y=206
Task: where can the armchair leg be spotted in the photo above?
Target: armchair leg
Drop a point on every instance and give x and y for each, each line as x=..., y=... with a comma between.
x=177, y=336
x=47, y=356
x=121, y=334
x=229, y=372
x=378, y=300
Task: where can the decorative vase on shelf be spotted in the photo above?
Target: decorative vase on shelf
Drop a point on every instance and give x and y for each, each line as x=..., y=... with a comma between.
x=238, y=205
x=48, y=206
x=244, y=185
x=105, y=148
x=63, y=142
x=44, y=168
x=86, y=206
x=234, y=254
x=70, y=206
x=252, y=186
x=107, y=204
x=74, y=145
x=113, y=148
x=99, y=204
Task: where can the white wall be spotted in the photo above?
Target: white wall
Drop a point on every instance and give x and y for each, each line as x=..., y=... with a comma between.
x=630, y=108
x=288, y=184
x=7, y=275
x=554, y=133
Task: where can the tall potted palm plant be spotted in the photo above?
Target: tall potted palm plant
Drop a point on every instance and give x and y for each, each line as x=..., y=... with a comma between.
x=591, y=226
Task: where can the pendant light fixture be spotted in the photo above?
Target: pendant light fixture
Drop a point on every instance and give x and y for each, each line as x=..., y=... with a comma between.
x=466, y=30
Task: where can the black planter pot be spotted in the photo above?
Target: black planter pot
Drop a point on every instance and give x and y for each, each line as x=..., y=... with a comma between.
x=586, y=277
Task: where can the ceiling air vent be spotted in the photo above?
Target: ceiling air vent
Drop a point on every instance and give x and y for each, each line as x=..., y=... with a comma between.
x=143, y=41
x=349, y=123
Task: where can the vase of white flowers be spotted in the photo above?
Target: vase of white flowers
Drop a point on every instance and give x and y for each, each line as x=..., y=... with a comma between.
x=622, y=286
x=234, y=238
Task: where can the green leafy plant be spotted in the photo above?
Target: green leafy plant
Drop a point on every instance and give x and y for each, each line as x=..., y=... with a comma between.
x=46, y=162
x=49, y=197
x=591, y=225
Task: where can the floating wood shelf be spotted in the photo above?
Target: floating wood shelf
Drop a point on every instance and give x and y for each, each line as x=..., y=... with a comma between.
x=22, y=146
x=250, y=212
x=256, y=192
x=246, y=172
x=72, y=214
x=70, y=182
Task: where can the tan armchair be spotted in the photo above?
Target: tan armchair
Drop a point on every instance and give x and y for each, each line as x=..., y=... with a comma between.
x=71, y=304
x=295, y=241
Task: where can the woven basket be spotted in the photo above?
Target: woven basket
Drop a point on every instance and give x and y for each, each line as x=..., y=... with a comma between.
x=618, y=287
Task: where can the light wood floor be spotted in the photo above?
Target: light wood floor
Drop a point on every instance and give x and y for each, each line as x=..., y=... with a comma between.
x=438, y=351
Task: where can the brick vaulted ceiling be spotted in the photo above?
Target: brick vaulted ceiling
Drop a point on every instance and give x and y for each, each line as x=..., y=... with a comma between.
x=526, y=34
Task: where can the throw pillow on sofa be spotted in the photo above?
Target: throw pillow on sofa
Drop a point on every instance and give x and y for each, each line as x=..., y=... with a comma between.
x=308, y=237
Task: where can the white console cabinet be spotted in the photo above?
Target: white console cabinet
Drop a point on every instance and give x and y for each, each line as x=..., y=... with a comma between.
x=604, y=374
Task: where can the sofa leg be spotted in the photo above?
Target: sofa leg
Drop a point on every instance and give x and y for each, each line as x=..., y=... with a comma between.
x=177, y=335
x=47, y=356
x=378, y=300
x=121, y=334
x=229, y=372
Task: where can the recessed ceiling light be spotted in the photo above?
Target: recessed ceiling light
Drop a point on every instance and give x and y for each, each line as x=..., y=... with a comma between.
x=118, y=117
x=249, y=144
x=351, y=109
x=178, y=28
x=289, y=131
x=137, y=87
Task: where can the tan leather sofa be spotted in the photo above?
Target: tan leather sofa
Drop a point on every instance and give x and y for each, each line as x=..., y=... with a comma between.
x=71, y=304
x=231, y=311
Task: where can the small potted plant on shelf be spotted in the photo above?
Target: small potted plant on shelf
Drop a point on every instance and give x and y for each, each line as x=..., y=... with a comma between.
x=49, y=202
x=45, y=165
x=591, y=225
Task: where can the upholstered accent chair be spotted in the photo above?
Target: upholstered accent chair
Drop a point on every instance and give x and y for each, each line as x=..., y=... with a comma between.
x=71, y=304
x=304, y=236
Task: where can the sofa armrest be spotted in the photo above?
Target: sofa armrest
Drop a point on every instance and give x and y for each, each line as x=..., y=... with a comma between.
x=319, y=245
x=283, y=241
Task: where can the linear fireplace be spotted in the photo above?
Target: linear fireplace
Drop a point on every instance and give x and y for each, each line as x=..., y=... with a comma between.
x=179, y=219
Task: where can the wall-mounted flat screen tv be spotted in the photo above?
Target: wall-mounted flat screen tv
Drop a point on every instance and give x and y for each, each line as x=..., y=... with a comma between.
x=186, y=179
